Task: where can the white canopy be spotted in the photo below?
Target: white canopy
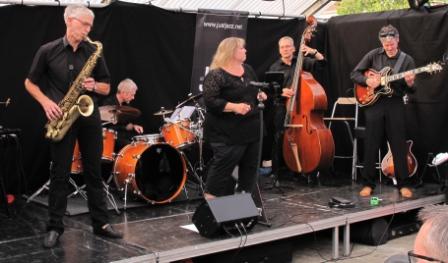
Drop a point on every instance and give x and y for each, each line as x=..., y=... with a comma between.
x=265, y=8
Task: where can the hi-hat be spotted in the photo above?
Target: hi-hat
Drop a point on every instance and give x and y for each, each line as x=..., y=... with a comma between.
x=191, y=97
x=162, y=112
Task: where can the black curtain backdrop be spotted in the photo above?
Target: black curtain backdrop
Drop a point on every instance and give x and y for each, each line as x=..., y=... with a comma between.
x=154, y=47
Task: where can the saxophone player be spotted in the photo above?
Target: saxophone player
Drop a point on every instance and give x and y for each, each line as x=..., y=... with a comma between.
x=55, y=68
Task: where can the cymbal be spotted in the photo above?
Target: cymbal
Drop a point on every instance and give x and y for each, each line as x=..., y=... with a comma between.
x=118, y=114
x=190, y=98
x=162, y=112
x=128, y=111
x=108, y=113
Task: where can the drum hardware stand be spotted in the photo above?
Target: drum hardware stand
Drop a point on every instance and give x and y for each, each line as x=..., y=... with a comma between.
x=194, y=173
x=46, y=186
x=199, y=134
x=126, y=182
x=110, y=198
x=78, y=190
x=109, y=179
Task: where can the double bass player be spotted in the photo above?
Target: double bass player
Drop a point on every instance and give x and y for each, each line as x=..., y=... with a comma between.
x=312, y=61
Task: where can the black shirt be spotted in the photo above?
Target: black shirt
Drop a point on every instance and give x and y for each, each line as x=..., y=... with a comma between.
x=56, y=66
x=220, y=87
x=377, y=59
x=309, y=64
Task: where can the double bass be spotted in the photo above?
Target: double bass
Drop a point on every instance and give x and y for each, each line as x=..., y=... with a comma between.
x=307, y=143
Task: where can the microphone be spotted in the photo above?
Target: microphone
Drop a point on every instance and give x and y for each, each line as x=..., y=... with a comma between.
x=259, y=84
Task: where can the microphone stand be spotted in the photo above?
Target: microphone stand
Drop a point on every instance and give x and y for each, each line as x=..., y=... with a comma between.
x=201, y=119
x=278, y=140
x=262, y=218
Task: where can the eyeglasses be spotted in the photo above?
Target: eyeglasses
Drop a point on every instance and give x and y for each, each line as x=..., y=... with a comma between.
x=84, y=23
x=387, y=34
x=413, y=258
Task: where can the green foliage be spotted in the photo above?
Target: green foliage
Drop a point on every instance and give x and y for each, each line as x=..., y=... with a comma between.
x=364, y=6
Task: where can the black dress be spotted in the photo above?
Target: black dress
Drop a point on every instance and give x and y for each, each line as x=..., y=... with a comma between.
x=234, y=138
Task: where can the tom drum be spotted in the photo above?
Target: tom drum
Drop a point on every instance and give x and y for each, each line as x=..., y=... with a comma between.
x=178, y=134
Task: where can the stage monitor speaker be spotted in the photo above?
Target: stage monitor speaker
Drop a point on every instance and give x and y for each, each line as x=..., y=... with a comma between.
x=221, y=214
x=372, y=232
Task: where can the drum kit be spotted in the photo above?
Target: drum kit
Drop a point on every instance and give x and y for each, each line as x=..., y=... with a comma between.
x=154, y=167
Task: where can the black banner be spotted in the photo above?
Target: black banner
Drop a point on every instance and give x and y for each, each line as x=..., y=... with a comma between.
x=211, y=28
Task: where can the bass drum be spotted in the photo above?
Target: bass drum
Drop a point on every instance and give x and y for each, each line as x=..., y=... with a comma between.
x=154, y=172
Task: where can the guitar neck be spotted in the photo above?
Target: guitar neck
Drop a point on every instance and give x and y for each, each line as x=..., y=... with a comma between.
x=401, y=75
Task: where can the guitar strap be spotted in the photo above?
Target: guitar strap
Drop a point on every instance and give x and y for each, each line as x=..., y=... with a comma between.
x=399, y=62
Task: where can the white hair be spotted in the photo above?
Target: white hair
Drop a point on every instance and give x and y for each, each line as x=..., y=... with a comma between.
x=436, y=242
x=77, y=11
x=286, y=38
x=127, y=85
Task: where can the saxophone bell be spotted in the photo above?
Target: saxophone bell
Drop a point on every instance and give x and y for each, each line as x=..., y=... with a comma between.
x=85, y=105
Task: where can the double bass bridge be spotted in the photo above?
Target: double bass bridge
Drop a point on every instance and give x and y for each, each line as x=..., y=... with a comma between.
x=294, y=126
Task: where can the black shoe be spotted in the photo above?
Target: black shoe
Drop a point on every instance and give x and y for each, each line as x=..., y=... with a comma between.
x=51, y=239
x=107, y=231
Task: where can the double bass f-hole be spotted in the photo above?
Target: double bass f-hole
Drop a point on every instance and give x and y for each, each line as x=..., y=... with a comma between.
x=307, y=144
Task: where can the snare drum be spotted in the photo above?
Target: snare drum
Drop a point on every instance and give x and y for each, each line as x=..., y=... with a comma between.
x=148, y=138
x=154, y=172
x=178, y=134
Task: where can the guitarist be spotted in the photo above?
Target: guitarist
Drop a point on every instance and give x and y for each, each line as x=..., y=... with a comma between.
x=387, y=115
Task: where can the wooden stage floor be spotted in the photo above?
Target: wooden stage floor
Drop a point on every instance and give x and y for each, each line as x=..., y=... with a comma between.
x=154, y=233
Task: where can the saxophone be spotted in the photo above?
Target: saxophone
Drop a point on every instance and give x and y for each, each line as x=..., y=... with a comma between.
x=74, y=103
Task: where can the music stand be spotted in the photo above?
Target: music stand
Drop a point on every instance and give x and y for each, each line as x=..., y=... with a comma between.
x=182, y=113
x=276, y=80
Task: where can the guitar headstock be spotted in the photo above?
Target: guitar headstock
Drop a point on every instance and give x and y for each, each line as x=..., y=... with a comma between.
x=433, y=67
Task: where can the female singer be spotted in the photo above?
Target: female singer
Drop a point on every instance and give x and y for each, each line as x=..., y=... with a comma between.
x=232, y=124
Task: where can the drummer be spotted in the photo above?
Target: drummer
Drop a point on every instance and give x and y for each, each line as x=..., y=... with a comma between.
x=126, y=91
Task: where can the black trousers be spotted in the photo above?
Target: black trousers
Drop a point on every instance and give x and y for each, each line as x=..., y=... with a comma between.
x=385, y=117
x=225, y=158
x=88, y=131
